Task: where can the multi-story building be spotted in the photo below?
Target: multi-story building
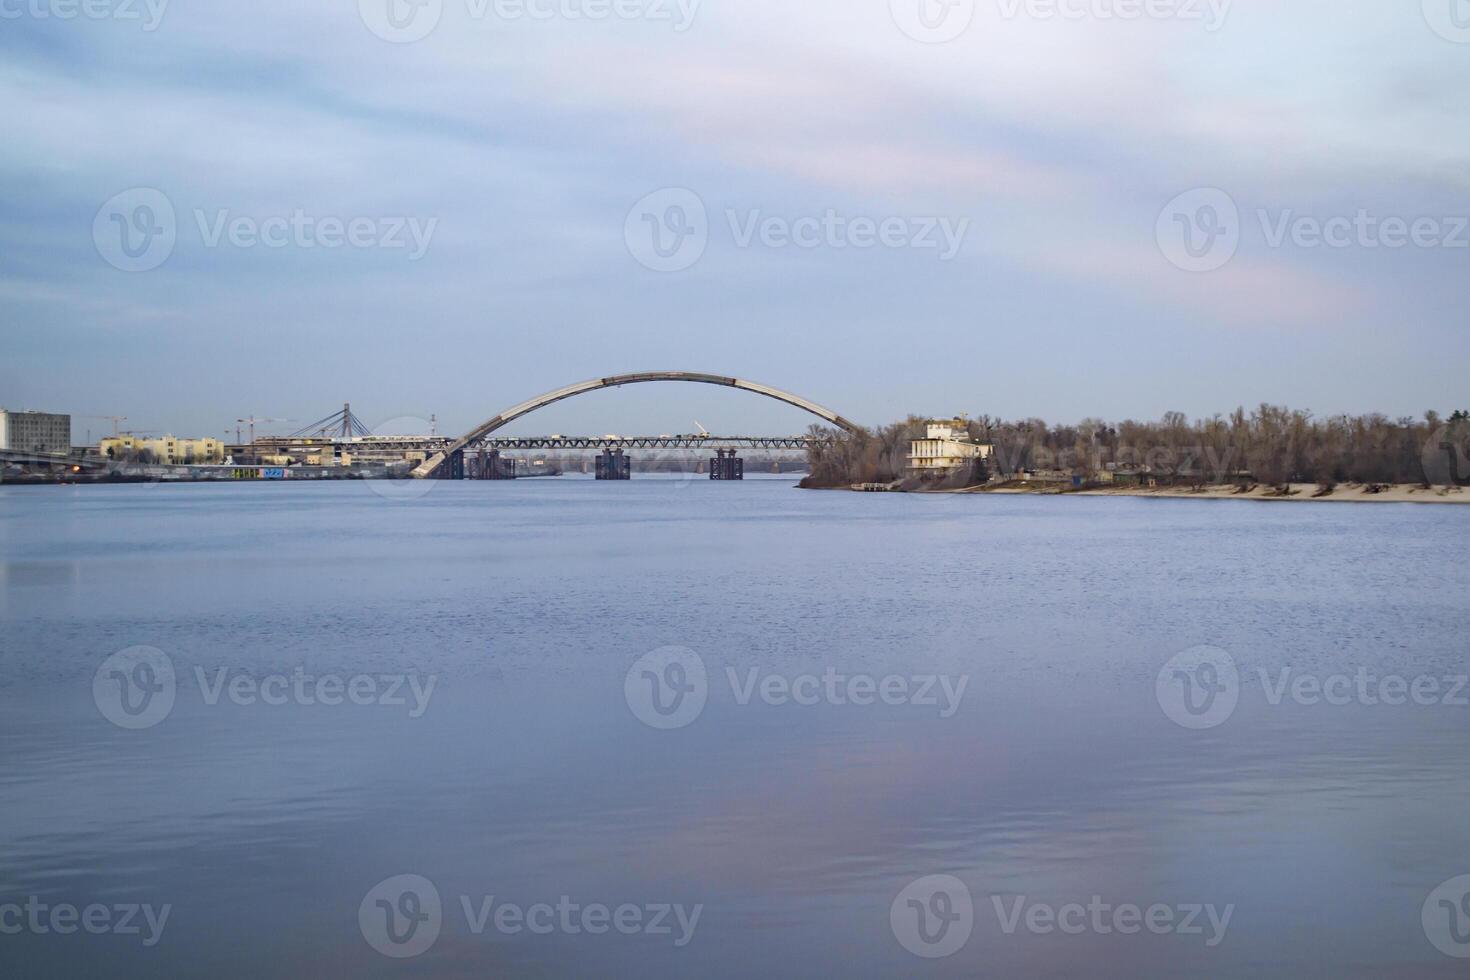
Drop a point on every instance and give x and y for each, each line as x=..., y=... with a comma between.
x=35, y=432
x=165, y=449
x=946, y=447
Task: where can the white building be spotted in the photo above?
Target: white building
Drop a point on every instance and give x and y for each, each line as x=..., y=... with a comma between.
x=35, y=432
x=946, y=447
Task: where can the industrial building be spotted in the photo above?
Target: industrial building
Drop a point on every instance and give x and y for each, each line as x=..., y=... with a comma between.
x=165, y=449
x=35, y=432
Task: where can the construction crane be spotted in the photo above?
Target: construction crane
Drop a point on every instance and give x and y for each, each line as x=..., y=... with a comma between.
x=114, y=418
x=251, y=421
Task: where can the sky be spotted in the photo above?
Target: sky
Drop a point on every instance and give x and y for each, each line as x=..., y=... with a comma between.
x=440, y=208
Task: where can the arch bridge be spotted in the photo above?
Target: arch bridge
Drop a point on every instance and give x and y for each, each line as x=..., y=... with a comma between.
x=435, y=464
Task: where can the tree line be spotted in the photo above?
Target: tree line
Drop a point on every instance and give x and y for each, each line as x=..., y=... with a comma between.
x=1271, y=445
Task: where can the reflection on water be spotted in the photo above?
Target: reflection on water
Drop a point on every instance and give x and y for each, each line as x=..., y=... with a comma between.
x=527, y=778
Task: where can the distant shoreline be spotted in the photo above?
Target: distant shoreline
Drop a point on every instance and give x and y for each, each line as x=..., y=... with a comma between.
x=1343, y=493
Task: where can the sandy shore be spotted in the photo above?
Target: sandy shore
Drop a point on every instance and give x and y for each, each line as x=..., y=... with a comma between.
x=1349, y=492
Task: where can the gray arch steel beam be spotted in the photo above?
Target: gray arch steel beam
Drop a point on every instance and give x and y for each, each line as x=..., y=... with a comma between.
x=430, y=465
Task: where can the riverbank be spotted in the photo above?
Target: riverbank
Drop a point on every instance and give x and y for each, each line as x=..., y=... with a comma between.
x=1402, y=493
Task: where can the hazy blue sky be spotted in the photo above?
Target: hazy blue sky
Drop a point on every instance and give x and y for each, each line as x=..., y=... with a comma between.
x=520, y=144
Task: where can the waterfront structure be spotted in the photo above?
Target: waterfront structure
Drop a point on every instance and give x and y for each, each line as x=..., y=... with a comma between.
x=613, y=465
x=945, y=447
x=449, y=461
x=166, y=449
x=726, y=466
x=35, y=432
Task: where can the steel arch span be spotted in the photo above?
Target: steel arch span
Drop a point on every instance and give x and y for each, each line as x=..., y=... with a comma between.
x=428, y=467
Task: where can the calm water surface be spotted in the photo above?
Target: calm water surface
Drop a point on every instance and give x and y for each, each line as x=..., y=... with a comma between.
x=793, y=827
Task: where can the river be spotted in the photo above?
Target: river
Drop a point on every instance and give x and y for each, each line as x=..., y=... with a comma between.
x=681, y=728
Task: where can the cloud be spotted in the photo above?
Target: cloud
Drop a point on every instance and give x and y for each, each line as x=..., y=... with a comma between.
x=529, y=140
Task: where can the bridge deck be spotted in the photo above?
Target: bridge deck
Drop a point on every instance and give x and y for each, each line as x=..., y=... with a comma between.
x=553, y=442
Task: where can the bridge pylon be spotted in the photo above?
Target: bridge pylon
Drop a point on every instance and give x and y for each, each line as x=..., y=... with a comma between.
x=726, y=466
x=614, y=464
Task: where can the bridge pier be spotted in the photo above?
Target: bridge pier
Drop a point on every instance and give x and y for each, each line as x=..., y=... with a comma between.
x=726, y=466
x=492, y=466
x=453, y=468
x=614, y=465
